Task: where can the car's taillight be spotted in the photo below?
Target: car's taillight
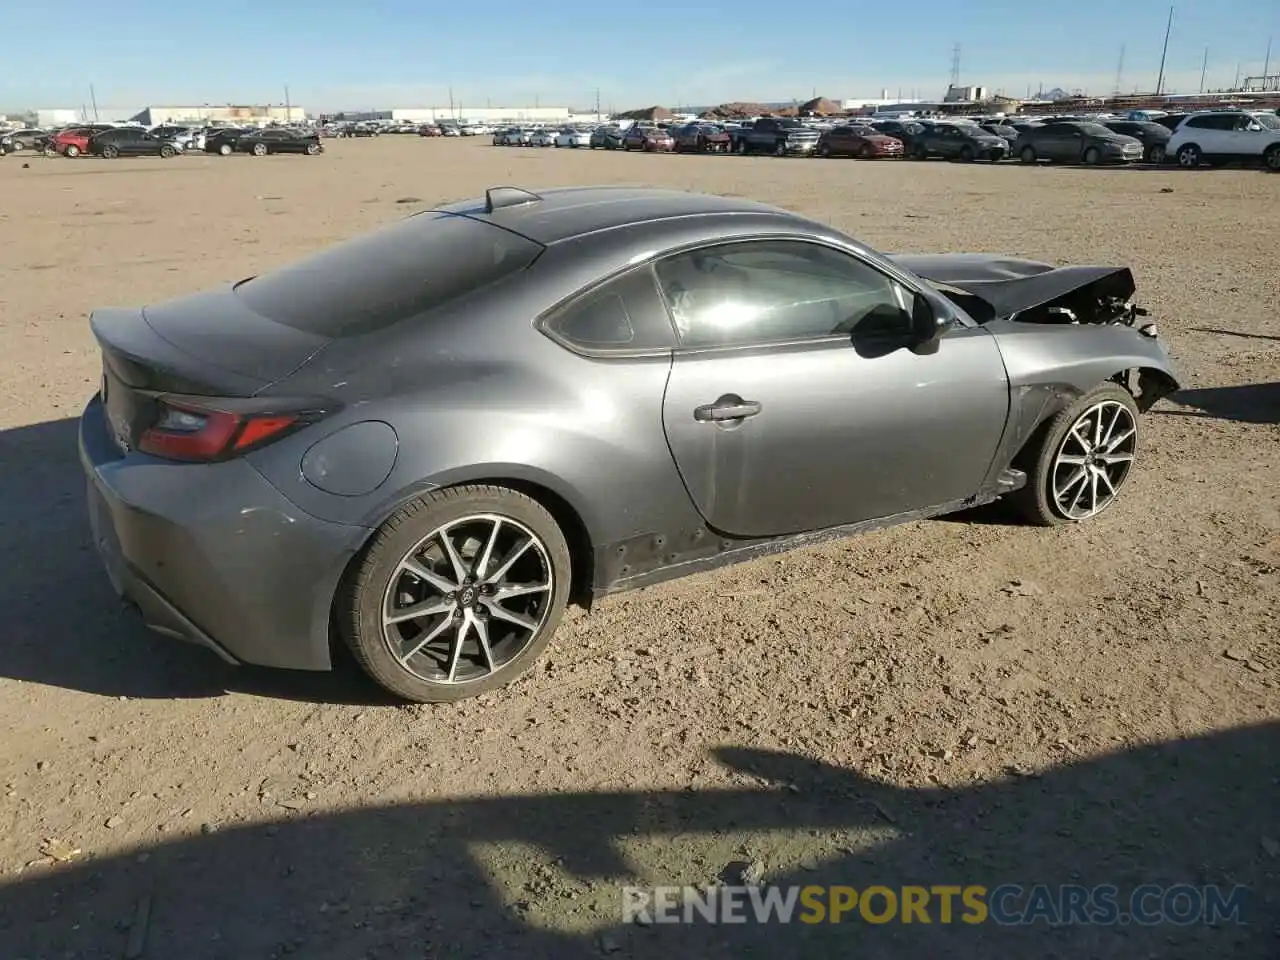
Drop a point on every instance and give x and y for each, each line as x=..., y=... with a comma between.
x=188, y=430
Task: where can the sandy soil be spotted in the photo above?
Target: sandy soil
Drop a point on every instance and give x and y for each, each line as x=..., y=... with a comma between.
x=954, y=701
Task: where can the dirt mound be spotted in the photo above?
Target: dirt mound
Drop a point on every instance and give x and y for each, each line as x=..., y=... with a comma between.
x=647, y=113
x=820, y=107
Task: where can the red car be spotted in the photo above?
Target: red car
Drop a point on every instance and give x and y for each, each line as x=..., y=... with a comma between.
x=73, y=141
x=701, y=138
x=649, y=139
x=852, y=141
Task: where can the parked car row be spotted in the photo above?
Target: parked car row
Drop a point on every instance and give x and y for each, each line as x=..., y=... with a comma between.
x=110, y=142
x=1190, y=140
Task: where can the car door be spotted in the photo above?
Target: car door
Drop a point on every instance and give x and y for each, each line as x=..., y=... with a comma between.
x=946, y=142
x=133, y=144
x=795, y=402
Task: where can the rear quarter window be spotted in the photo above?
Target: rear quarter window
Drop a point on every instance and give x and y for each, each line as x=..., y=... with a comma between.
x=390, y=275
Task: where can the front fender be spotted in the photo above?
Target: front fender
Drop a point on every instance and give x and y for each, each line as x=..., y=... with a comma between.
x=1051, y=365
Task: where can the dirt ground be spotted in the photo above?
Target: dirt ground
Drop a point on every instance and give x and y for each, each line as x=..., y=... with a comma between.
x=957, y=701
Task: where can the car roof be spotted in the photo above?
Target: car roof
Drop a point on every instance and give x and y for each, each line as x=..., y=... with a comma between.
x=568, y=212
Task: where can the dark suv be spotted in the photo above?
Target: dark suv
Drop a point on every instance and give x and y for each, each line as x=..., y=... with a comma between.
x=957, y=141
x=1077, y=142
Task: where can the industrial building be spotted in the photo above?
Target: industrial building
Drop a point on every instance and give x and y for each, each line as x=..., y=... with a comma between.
x=460, y=113
x=253, y=115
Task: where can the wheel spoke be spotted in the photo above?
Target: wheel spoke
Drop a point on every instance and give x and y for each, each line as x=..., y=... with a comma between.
x=1074, y=459
x=429, y=577
x=518, y=619
x=1115, y=418
x=455, y=561
x=1105, y=478
x=440, y=628
x=482, y=564
x=1115, y=442
x=1097, y=428
x=418, y=610
x=519, y=590
x=1093, y=490
x=1085, y=445
x=1113, y=458
x=509, y=562
x=1060, y=492
x=482, y=635
x=459, y=636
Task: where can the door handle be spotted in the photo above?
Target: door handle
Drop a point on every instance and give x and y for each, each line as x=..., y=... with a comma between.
x=726, y=408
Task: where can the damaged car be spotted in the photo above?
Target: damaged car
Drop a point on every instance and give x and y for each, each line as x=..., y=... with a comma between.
x=423, y=443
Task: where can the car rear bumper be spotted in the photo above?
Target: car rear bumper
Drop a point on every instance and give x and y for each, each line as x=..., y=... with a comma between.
x=213, y=553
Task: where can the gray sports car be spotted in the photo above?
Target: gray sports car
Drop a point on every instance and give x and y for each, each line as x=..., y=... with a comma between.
x=426, y=441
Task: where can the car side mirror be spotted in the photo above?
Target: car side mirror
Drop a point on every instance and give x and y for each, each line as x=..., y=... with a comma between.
x=927, y=325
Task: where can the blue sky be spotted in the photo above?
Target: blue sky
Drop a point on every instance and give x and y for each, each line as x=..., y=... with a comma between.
x=394, y=53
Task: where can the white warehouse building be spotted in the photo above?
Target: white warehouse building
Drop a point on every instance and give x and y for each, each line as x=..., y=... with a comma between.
x=462, y=112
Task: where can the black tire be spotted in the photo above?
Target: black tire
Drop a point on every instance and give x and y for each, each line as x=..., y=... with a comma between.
x=166, y=151
x=1035, y=501
x=313, y=149
x=1189, y=156
x=72, y=151
x=780, y=149
x=1155, y=153
x=866, y=153
x=259, y=150
x=110, y=152
x=1271, y=159
x=824, y=151
x=364, y=592
x=224, y=149
x=1028, y=154
x=743, y=148
x=919, y=153
x=1093, y=156
x=966, y=154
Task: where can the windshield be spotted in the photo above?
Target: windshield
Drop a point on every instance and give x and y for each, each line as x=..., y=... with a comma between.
x=387, y=276
x=1094, y=129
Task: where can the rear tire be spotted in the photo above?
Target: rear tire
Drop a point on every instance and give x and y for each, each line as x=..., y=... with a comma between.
x=72, y=151
x=1189, y=156
x=1038, y=502
x=1155, y=154
x=866, y=153
x=259, y=150
x=224, y=149
x=1271, y=159
x=1093, y=156
x=110, y=152
x=1028, y=154
x=167, y=151
x=966, y=154
x=381, y=581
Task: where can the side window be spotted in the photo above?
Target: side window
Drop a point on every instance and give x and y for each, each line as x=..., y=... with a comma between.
x=1202, y=123
x=622, y=315
x=757, y=292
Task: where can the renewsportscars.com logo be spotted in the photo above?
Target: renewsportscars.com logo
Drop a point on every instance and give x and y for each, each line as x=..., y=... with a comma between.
x=1007, y=904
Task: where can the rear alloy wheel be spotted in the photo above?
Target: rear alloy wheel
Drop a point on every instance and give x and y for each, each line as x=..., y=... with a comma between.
x=313, y=149
x=1092, y=156
x=1027, y=154
x=1155, y=154
x=1189, y=156
x=458, y=593
x=167, y=151
x=72, y=151
x=1271, y=159
x=259, y=150
x=224, y=149
x=1084, y=458
x=110, y=152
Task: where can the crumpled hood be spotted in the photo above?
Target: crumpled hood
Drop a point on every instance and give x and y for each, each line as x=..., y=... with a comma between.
x=1011, y=285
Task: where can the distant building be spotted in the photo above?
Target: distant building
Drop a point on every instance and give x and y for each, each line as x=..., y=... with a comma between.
x=459, y=113
x=249, y=115
x=965, y=95
x=56, y=118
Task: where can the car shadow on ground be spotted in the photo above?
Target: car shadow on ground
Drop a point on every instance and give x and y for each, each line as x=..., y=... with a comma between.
x=1247, y=403
x=541, y=876
x=63, y=624
x=1235, y=333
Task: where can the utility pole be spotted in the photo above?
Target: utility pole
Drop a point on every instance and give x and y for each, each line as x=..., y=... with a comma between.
x=597, y=104
x=1120, y=72
x=93, y=98
x=451, y=113
x=955, y=65
x=1204, y=68
x=288, y=106
x=1164, y=53
x=1237, y=83
x=1266, y=65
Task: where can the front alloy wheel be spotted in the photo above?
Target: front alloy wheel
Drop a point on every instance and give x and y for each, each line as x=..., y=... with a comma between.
x=1084, y=458
x=458, y=593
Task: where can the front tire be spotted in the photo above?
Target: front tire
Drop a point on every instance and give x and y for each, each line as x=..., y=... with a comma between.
x=72, y=151
x=1028, y=154
x=1082, y=459
x=167, y=151
x=1271, y=159
x=1189, y=156
x=457, y=594
x=1093, y=156
x=1155, y=154
x=110, y=152
x=259, y=150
